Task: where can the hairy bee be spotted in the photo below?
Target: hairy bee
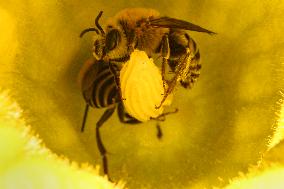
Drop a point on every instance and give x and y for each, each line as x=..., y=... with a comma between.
x=100, y=91
x=146, y=30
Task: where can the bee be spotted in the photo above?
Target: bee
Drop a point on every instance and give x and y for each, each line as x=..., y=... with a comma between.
x=145, y=30
x=99, y=90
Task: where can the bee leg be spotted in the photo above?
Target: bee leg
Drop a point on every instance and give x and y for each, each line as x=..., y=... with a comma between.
x=85, y=117
x=167, y=113
x=165, y=51
x=125, y=117
x=169, y=90
x=116, y=79
x=159, y=131
x=186, y=70
x=193, y=62
x=107, y=114
x=162, y=117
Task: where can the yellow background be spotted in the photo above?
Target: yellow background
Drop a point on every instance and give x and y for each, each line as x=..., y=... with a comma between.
x=223, y=125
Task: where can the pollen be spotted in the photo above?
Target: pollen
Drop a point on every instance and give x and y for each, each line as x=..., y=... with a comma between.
x=142, y=87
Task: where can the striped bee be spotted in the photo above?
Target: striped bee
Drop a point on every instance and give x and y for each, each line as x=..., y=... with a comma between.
x=145, y=30
x=99, y=90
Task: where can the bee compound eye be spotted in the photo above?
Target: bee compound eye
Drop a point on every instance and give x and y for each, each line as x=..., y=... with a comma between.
x=112, y=39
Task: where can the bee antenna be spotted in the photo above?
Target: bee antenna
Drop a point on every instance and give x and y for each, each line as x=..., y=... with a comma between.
x=97, y=23
x=88, y=30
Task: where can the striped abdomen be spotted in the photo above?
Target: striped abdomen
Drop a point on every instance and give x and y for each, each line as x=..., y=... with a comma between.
x=99, y=88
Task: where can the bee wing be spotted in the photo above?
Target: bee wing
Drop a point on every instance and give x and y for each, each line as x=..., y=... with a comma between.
x=166, y=22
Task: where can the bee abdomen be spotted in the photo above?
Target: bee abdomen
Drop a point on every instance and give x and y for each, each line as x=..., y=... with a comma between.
x=103, y=92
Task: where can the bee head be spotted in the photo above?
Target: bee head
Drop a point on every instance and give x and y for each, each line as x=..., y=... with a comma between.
x=109, y=44
x=106, y=41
